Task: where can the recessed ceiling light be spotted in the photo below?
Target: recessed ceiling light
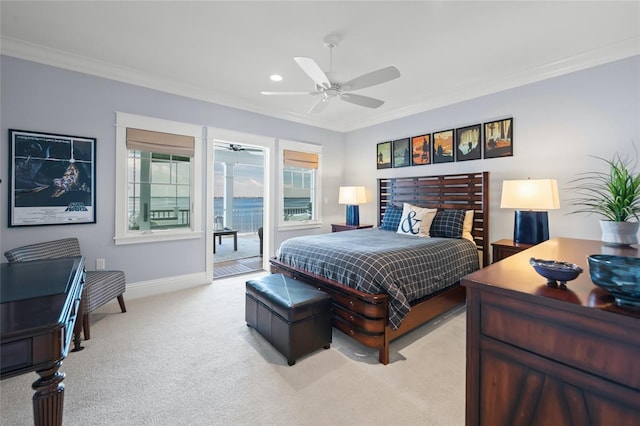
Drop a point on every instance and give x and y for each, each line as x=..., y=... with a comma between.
x=276, y=77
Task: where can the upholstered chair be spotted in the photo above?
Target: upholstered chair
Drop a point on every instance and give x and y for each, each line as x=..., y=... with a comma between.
x=99, y=287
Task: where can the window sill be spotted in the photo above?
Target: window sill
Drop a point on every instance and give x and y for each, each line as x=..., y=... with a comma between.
x=156, y=236
x=292, y=226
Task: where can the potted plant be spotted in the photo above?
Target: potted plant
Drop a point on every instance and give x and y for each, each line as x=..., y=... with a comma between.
x=615, y=195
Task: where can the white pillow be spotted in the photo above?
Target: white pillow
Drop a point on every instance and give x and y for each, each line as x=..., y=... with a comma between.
x=416, y=220
x=467, y=225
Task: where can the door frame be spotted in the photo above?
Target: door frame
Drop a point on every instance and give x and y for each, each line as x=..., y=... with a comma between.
x=246, y=139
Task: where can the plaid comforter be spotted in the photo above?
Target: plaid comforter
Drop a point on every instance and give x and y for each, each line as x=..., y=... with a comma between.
x=378, y=261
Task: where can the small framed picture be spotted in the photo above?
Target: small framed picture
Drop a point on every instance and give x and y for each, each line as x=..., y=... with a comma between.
x=401, y=153
x=383, y=156
x=443, y=147
x=421, y=150
x=468, y=145
x=498, y=138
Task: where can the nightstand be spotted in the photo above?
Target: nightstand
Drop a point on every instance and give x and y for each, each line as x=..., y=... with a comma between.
x=338, y=227
x=505, y=248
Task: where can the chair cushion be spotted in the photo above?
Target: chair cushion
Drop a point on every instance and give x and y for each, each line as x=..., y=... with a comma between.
x=67, y=247
x=101, y=287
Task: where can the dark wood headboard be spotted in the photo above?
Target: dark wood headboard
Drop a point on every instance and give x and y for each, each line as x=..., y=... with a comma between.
x=466, y=191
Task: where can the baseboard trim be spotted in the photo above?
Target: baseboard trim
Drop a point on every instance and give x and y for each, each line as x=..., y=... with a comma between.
x=164, y=285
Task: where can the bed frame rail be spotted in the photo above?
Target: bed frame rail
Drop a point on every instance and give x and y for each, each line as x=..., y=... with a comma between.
x=364, y=316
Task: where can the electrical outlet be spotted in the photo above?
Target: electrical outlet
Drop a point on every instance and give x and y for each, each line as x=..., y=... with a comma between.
x=100, y=264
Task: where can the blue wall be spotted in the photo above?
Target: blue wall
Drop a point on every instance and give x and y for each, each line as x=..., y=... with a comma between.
x=558, y=123
x=37, y=97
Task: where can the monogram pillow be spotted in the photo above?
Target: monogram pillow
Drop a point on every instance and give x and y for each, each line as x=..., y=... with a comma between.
x=416, y=220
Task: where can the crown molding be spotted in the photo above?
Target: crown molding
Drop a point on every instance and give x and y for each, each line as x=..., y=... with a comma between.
x=57, y=58
x=82, y=64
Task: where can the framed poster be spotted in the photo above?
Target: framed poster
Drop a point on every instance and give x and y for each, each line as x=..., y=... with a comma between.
x=498, y=138
x=468, y=145
x=383, y=156
x=421, y=150
x=443, y=147
x=401, y=153
x=52, y=179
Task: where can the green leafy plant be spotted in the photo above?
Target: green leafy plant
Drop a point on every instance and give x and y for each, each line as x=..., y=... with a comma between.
x=614, y=195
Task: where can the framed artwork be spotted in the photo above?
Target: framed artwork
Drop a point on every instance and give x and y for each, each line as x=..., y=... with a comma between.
x=443, y=147
x=383, y=156
x=468, y=145
x=421, y=150
x=401, y=153
x=498, y=138
x=52, y=179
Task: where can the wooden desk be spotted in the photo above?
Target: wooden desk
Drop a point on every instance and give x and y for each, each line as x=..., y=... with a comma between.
x=39, y=304
x=539, y=355
x=222, y=233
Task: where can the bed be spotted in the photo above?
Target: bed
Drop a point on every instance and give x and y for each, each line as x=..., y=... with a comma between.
x=367, y=308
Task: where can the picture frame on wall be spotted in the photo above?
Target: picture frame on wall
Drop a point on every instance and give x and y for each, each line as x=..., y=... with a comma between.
x=421, y=150
x=383, y=155
x=498, y=138
x=52, y=179
x=468, y=143
x=442, y=147
x=401, y=153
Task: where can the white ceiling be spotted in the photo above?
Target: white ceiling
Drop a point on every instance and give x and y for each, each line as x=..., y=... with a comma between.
x=224, y=52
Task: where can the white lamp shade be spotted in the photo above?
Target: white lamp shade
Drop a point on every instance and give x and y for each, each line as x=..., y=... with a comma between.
x=352, y=195
x=530, y=194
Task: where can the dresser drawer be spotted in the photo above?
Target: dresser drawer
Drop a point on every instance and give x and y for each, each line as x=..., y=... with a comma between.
x=596, y=347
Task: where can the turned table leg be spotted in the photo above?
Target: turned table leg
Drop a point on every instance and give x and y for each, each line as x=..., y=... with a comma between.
x=48, y=400
x=77, y=328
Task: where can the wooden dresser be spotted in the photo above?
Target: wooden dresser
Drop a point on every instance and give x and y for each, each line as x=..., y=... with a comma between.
x=543, y=356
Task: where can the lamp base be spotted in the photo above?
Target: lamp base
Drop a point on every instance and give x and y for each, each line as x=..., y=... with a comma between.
x=353, y=215
x=530, y=227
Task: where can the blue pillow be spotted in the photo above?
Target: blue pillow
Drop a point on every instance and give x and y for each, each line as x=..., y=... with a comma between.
x=391, y=218
x=448, y=224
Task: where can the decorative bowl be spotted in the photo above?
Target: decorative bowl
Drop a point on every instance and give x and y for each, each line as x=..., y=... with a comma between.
x=619, y=275
x=555, y=271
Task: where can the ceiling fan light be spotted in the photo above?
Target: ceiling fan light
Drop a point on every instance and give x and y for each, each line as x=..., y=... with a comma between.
x=275, y=77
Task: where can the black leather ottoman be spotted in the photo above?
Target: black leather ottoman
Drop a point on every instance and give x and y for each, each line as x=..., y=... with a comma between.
x=294, y=317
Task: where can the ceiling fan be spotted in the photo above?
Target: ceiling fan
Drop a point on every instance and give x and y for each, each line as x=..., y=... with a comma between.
x=327, y=86
x=235, y=147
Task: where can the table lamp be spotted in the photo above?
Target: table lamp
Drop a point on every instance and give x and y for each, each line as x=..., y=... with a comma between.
x=531, y=198
x=352, y=196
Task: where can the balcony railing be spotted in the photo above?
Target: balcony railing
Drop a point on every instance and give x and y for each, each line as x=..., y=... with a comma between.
x=244, y=220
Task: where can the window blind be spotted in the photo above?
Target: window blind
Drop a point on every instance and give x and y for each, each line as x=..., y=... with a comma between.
x=307, y=160
x=164, y=143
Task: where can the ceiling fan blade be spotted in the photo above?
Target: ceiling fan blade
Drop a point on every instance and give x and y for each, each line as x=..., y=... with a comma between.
x=313, y=70
x=319, y=106
x=364, y=101
x=371, y=79
x=288, y=93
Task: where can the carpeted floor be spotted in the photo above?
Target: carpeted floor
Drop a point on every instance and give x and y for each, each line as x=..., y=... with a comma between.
x=189, y=358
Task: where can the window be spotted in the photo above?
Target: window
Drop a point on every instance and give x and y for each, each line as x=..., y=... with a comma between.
x=155, y=200
x=300, y=188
